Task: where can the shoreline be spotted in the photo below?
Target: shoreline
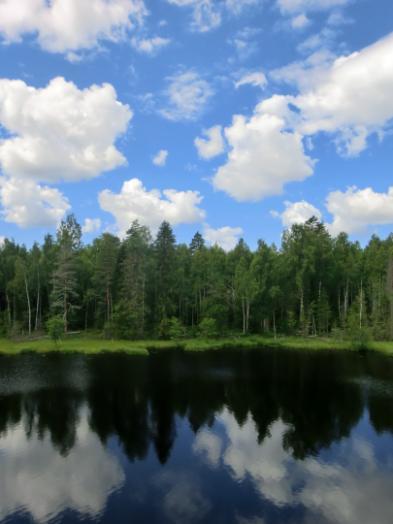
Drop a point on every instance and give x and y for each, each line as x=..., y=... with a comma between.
x=91, y=345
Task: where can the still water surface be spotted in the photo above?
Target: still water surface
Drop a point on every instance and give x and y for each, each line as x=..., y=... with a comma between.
x=246, y=437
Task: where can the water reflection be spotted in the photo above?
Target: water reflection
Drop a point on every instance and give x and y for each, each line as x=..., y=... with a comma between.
x=244, y=437
x=38, y=479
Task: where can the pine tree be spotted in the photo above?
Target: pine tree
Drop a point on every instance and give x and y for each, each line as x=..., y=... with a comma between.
x=64, y=294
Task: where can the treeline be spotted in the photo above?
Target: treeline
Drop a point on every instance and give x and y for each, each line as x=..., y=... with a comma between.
x=141, y=286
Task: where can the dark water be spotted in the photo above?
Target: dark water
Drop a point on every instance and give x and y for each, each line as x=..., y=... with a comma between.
x=223, y=437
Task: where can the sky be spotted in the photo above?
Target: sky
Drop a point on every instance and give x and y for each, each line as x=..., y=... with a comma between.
x=236, y=118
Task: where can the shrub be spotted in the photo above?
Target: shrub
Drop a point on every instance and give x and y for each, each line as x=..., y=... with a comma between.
x=175, y=328
x=208, y=328
x=55, y=328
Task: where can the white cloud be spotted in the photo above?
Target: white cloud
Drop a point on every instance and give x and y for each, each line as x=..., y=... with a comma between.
x=60, y=132
x=135, y=202
x=356, y=209
x=2, y=240
x=237, y=6
x=70, y=25
x=160, y=158
x=28, y=204
x=205, y=14
x=305, y=72
x=263, y=157
x=211, y=144
x=348, y=98
x=187, y=95
x=255, y=79
x=297, y=213
x=36, y=477
x=352, y=98
x=91, y=225
x=244, y=42
x=224, y=237
x=300, y=21
x=208, y=14
x=149, y=46
x=301, y=6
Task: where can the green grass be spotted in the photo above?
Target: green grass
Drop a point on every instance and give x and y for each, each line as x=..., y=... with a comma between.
x=92, y=343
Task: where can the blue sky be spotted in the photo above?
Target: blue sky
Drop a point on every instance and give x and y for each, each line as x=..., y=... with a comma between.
x=231, y=118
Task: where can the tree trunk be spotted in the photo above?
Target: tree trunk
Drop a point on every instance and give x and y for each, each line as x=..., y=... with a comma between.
x=247, y=315
x=8, y=308
x=28, y=302
x=65, y=311
x=339, y=306
x=274, y=324
x=346, y=300
x=244, y=316
x=37, y=307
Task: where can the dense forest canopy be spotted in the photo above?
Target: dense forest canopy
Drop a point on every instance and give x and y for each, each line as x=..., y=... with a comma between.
x=142, y=286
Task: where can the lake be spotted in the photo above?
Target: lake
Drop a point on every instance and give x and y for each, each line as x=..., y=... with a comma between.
x=245, y=437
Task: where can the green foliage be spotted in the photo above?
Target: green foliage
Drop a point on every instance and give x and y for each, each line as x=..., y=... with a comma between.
x=163, y=329
x=55, y=328
x=175, y=329
x=134, y=288
x=208, y=328
x=124, y=321
x=358, y=332
x=360, y=338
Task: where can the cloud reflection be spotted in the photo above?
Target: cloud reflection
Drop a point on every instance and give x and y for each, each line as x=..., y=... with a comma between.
x=354, y=488
x=36, y=479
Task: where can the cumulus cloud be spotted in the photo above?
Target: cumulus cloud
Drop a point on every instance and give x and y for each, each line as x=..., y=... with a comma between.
x=211, y=144
x=55, y=133
x=297, y=213
x=263, y=157
x=29, y=204
x=255, y=79
x=160, y=158
x=70, y=25
x=186, y=96
x=60, y=132
x=225, y=237
x=2, y=240
x=149, y=46
x=91, y=225
x=35, y=477
x=135, y=202
x=348, y=98
x=352, y=98
x=355, y=209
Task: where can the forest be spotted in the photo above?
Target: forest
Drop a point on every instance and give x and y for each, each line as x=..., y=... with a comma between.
x=139, y=286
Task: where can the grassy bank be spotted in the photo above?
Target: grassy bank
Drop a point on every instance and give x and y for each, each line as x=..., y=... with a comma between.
x=89, y=344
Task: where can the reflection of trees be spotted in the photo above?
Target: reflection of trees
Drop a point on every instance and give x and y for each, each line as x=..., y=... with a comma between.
x=137, y=399
x=380, y=392
x=117, y=399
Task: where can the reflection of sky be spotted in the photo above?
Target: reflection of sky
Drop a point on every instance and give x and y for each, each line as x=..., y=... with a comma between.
x=35, y=478
x=352, y=489
x=351, y=483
